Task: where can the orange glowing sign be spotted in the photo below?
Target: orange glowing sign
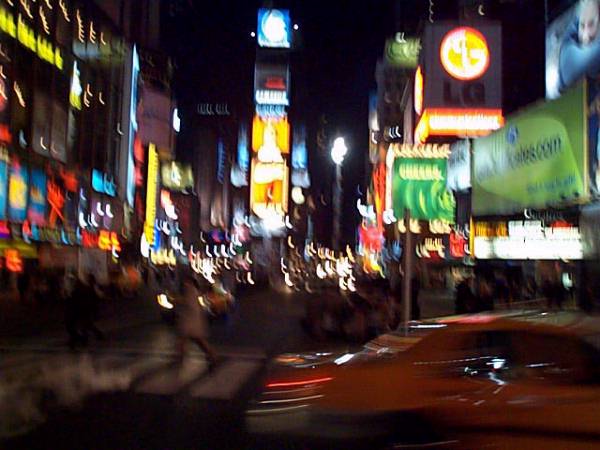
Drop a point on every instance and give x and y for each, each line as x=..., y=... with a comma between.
x=265, y=132
x=464, y=53
x=419, y=91
x=457, y=122
x=269, y=188
x=14, y=262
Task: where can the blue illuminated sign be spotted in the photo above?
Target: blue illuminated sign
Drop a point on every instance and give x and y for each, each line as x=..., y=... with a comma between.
x=221, y=161
x=243, y=153
x=103, y=183
x=299, y=154
x=274, y=28
x=37, y=198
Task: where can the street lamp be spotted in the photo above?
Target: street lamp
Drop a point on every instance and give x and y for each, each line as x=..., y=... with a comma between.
x=338, y=152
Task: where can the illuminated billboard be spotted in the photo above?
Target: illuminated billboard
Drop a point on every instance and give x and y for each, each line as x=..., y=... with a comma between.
x=151, y=193
x=17, y=191
x=536, y=161
x=572, y=47
x=177, y=176
x=460, y=85
x=269, y=188
x=274, y=28
x=36, y=212
x=270, y=135
x=402, y=52
x=271, y=83
x=418, y=182
x=459, y=166
x=527, y=239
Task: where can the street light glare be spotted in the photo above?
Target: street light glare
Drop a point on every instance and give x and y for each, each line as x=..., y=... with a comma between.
x=339, y=150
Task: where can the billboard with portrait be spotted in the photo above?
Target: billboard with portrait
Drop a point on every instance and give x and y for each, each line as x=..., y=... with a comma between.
x=572, y=47
x=537, y=160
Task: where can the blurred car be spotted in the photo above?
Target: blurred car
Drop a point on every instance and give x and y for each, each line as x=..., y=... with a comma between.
x=470, y=382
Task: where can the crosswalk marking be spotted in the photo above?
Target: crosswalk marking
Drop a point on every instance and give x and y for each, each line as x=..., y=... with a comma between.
x=226, y=381
x=171, y=379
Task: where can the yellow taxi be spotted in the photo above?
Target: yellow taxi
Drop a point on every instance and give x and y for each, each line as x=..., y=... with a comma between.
x=475, y=382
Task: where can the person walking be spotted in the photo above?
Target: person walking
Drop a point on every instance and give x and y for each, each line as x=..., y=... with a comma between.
x=191, y=323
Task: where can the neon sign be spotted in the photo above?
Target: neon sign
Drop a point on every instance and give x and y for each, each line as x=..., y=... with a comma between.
x=274, y=28
x=26, y=36
x=103, y=183
x=14, y=262
x=464, y=53
x=457, y=122
x=419, y=91
x=151, y=191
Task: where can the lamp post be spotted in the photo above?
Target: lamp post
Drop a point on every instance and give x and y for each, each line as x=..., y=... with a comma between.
x=338, y=152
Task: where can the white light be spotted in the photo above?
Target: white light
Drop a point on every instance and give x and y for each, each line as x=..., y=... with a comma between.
x=176, y=121
x=252, y=34
x=290, y=242
x=296, y=26
x=288, y=281
x=99, y=210
x=343, y=359
x=109, y=211
x=339, y=150
x=249, y=278
x=320, y=272
x=297, y=195
x=164, y=301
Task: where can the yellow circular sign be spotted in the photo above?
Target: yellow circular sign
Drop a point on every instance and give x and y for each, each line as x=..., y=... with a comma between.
x=464, y=53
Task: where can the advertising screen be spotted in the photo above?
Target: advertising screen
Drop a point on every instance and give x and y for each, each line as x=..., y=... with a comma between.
x=274, y=28
x=177, y=176
x=271, y=83
x=572, y=47
x=536, y=161
x=36, y=212
x=459, y=166
x=17, y=191
x=419, y=184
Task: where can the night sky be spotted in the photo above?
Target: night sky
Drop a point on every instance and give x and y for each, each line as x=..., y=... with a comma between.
x=333, y=65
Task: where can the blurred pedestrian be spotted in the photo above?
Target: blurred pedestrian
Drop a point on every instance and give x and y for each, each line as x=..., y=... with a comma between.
x=23, y=284
x=86, y=295
x=465, y=301
x=192, y=324
x=415, y=288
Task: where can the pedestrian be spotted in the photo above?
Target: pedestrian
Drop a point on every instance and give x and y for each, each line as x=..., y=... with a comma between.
x=465, y=301
x=22, y=284
x=415, y=288
x=192, y=324
x=86, y=308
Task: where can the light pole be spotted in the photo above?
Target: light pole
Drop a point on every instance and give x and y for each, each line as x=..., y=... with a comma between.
x=338, y=152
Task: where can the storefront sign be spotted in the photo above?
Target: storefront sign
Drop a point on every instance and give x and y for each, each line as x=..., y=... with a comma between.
x=528, y=239
x=37, y=198
x=17, y=191
x=27, y=37
x=537, y=160
x=151, y=193
x=269, y=188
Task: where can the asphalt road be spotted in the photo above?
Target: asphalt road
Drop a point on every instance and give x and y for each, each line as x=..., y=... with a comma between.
x=129, y=391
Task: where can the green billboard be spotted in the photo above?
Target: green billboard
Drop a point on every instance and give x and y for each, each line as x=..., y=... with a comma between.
x=419, y=184
x=537, y=160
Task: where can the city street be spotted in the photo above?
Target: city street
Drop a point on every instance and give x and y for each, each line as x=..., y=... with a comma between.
x=128, y=391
